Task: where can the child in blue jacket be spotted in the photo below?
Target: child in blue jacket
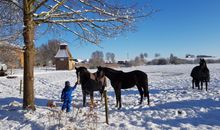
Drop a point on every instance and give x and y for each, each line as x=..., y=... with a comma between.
x=66, y=96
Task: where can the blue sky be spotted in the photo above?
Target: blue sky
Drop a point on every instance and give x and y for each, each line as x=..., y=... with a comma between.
x=180, y=27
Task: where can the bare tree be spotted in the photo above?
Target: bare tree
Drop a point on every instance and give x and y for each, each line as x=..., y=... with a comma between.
x=11, y=20
x=9, y=56
x=145, y=55
x=97, y=59
x=142, y=60
x=46, y=52
x=88, y=20
x=137, y=61
x=157, y=55
x=110, y=57
x=173, y=59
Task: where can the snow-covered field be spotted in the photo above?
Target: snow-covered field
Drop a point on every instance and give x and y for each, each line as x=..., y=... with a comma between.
x=174, y=104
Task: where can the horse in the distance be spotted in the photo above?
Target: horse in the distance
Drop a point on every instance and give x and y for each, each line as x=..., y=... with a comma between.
x=89, y=83
x=200, y=74
x=124, y=80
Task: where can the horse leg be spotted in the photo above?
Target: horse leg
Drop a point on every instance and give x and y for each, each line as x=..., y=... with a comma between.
x=92, y=100
x=116, y=95
x=206, y=85
x=148, y=97
x=193, y=83
x=146, y=93
x=197, y=83
x=119, y=99
x=101, y=92
x=141, y=94
x=201, y=85
x=84, y=99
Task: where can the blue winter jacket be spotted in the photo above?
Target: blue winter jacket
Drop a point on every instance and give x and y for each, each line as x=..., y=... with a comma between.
x=67, y=92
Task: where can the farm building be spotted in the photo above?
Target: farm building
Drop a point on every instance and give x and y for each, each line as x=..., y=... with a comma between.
x=64, y=59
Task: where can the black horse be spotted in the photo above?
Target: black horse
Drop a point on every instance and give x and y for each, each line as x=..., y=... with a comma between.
x=89, y=83
x=121, y=80
x=200, y=74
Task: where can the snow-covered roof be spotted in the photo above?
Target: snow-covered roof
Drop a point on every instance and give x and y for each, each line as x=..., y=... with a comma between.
x=62, y=53
x=63, y=44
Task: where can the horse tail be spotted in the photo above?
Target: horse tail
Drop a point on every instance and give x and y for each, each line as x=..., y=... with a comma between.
x=194, y=71
x=146, y=92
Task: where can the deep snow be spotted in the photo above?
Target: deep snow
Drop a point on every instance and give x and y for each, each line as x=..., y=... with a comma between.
x=174, y=104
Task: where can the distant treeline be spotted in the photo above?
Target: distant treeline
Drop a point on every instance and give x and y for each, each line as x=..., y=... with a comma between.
x=46, y=52
x=163, y=61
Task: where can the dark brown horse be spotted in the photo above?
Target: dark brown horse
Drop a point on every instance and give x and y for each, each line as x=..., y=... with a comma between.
x=89, y=83
x=121, y=80
x=200, y=74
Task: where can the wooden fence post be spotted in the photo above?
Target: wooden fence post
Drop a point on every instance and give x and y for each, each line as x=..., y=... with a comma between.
x=106, y=106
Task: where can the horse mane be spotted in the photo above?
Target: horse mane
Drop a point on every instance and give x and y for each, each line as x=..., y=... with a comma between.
x=112, y=74
x=91, y=75
x=82, y=67
x=113, y=70
x=203, y=64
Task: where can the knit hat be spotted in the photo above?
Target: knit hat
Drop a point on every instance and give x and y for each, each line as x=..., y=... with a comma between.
x=67, y=83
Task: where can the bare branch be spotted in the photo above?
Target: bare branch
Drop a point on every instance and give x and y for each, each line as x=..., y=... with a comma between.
x=14, y=2
x=76, y=33
x=39, y=5
x=89, y=20
x=53, y=9
x=98, y=9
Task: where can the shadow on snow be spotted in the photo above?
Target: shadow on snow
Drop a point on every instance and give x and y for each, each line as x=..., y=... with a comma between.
x=210, y=117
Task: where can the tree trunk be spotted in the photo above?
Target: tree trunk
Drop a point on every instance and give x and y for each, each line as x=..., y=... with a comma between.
x=29, y=51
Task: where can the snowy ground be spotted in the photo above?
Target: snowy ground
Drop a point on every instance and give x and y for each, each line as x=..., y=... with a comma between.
x=174, y=104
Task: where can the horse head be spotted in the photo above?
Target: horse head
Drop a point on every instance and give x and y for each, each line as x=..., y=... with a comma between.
x=81, y=72
x=202, y=63
x=100, y=72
